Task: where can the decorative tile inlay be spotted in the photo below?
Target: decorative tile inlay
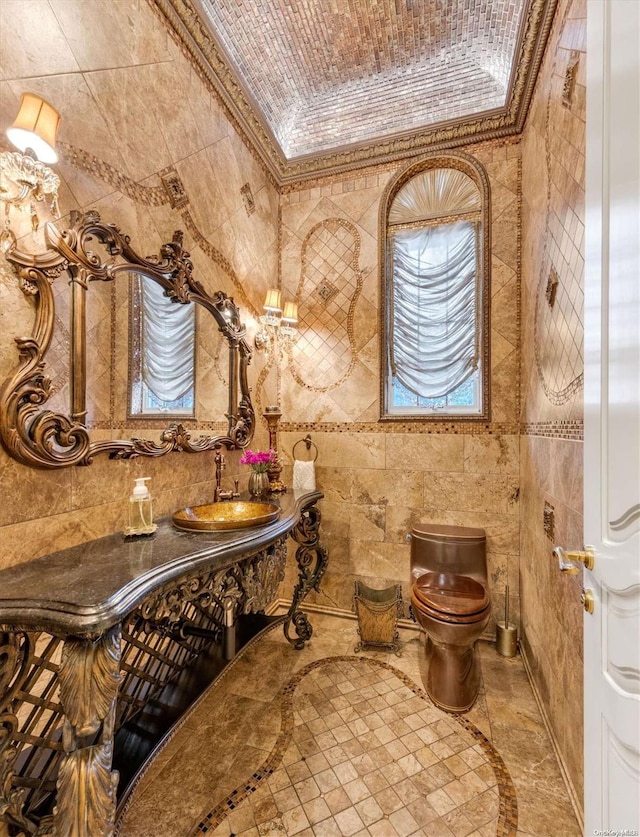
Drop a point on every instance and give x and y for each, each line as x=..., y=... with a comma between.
x=552, y=287
x=326, y=291
x=455, y=428
x=83, y=161
x=218, y=258
x=548, y=521
x=327, y=294
x=172, y=183
x=346, y=722
x=570, y=78
x=247, y=197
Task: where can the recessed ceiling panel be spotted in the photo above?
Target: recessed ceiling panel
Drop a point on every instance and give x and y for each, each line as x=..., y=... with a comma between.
x=317, y=87
x=326, y=74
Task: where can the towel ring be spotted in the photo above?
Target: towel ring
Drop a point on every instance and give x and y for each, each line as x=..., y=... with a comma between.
x=306, y=441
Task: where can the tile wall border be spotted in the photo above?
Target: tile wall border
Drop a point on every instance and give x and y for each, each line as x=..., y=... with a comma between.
x=460, y=428
x=572, y=429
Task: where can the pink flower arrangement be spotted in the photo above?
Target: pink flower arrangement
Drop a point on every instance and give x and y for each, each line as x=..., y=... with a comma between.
x=260, y=460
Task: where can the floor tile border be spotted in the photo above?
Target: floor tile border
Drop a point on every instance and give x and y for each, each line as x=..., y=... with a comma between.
x=507, y=825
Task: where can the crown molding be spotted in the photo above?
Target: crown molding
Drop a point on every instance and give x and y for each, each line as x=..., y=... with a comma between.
x=186, y=25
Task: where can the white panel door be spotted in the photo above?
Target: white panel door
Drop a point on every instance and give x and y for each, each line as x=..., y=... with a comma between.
x=612, y=417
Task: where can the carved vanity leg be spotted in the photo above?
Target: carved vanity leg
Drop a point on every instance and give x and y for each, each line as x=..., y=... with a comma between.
x=86, y=787
x=311, y=557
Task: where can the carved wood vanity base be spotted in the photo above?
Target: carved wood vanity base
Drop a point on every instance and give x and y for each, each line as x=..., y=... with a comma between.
x=90, y=635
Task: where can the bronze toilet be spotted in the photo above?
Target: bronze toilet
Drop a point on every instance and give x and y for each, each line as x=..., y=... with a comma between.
x=450, y=600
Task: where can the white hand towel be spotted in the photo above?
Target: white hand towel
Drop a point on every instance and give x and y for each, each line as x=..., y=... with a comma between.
x=304, y=475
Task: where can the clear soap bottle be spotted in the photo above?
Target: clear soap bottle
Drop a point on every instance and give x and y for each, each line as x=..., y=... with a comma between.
x=140, y=509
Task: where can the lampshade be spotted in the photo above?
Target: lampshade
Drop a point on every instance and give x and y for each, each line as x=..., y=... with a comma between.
x=36, y=127
x=290, y=313
x=272, y=301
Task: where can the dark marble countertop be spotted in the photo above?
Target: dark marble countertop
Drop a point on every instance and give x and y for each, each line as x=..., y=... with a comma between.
x=86, y=589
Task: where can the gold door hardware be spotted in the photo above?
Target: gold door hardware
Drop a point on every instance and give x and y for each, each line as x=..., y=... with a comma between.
x=567, y=559
x=588, y=600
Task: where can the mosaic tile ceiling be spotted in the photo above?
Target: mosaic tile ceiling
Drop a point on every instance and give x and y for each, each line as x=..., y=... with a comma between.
x=327, y=74
x=317, y=86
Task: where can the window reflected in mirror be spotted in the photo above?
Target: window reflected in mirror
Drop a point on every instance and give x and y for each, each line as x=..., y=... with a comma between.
x=162, y=352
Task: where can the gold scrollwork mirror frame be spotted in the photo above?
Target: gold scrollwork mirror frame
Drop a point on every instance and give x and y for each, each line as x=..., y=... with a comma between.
x=42, y=438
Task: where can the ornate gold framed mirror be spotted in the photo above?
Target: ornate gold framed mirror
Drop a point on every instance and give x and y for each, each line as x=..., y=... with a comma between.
x=90, y=251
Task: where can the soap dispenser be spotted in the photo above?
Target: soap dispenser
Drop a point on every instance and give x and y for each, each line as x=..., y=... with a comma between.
x=140, y=510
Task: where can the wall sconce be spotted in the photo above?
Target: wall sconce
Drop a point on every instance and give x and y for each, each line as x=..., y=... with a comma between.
x=277, y=323
x=24, y=179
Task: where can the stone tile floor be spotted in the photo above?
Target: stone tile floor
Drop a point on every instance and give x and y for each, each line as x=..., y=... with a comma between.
x=323, y=742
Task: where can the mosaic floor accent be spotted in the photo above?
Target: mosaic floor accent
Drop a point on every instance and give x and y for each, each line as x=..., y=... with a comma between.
x=323, y=743
x=362, y=747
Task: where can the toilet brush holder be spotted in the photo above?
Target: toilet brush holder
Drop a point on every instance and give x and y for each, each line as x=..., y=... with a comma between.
x=506, y=632
x=506, y=639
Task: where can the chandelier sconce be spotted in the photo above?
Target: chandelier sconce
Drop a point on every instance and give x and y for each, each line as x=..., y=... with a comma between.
x=277, y=325
x=25, y=180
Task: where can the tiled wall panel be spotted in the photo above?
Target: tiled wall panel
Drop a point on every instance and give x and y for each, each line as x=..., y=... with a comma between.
x=551, y=445
x=380, y=478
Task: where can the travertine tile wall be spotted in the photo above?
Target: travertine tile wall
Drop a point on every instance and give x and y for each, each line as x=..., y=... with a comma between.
x=378, y=479
x=551, y=446
x=132, y=107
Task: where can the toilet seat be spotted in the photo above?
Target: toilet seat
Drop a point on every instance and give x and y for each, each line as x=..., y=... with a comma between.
x=457, y=599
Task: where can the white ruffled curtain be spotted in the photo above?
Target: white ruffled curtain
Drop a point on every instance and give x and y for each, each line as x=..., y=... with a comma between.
x=434, y=341
x=168, y=343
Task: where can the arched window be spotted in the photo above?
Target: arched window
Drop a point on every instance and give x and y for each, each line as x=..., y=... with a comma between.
x=435, y=281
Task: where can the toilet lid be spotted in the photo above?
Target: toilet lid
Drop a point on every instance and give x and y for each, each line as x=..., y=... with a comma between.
x=447, y=533
x=450, y=595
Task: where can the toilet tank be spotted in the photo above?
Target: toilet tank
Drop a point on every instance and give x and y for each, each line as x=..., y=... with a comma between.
x=452, y=549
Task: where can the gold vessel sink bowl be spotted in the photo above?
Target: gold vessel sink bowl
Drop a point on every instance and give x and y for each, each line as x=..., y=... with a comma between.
x=228, y=514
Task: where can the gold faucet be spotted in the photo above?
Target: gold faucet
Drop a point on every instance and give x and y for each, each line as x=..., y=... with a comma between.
x=218, y=493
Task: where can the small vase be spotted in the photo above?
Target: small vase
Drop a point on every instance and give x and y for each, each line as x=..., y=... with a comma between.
x=259, y=484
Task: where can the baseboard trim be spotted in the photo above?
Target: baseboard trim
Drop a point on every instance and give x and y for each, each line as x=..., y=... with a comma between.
x=576, y=802
x=281, y=606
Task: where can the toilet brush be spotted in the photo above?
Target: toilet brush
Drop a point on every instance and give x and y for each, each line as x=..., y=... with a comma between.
x=506, y=605
x=506, y=632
